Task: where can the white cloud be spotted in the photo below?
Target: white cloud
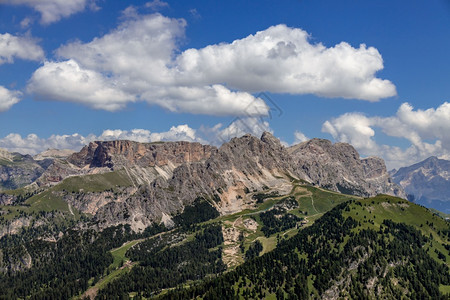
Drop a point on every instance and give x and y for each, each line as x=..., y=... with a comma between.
x=212, y=100
x=8, y=98
x=135, y=53
x=195, y=14
x=426, y=130
x=281, y=59
x=67, y=81
x=355, y=129
x=21, y=47
x=299, y=137
x=54, y=10
x=32, y=144
x=141, y=59
x=176, y=133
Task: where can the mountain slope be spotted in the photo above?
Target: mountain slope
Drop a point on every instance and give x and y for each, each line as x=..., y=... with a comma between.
x=427, y=183
x=354, y=251
x=203, y=242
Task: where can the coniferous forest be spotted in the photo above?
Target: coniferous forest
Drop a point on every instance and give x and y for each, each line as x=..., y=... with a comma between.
x=352, y=251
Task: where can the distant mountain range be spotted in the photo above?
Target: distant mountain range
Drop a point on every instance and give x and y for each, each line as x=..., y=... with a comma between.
x=427, y=183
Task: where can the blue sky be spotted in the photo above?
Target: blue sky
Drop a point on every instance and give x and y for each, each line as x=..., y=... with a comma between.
x=195, y=70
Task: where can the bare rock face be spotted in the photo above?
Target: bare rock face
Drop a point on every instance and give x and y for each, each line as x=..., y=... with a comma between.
x=101, y=157
x=243, y=164
x=117, y=154
x=338, y=167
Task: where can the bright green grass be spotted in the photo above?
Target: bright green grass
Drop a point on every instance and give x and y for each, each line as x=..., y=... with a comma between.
x=119, y=253
x=321, y=200
x=109, y=278
x=373, y=211
x=115, y=270
x=269, y=243
x=445, y=289
x=47, y=201
x=17, y=192
x=94, y=183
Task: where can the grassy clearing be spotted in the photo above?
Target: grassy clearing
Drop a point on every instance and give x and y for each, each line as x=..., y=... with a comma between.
x=121, y=265
x=315, y=202
x=119, y=254
x=445, y=289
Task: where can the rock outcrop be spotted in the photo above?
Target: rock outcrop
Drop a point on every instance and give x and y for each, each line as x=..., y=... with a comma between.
x=338, y=167
x=118, y=154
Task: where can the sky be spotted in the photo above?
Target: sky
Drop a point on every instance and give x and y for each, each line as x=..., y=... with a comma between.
x=374, y=74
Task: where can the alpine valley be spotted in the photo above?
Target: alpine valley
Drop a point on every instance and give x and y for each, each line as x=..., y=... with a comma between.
x=252, y=219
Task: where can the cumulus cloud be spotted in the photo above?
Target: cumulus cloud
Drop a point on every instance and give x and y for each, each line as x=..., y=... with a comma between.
x=26, y=22
x=21, y=47
x=140, y=61
x=176, y=133
x=281, y=59
x=425, y=130
x=67, y=81
x=299, y=137
x=54, y=10
x=213, y=100
x=8, y=98
x=32, y=144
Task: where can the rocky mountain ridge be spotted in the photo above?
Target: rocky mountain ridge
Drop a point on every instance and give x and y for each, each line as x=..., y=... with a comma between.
x=150, y=182
x=338, y=167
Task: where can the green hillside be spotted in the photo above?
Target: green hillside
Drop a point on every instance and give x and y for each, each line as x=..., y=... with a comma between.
x=308, y=244
x=51, y=199
x=383, y=247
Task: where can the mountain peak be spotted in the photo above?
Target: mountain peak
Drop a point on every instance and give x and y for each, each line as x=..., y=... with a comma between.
x=269, y=138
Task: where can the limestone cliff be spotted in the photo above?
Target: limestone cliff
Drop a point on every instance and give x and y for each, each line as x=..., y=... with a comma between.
x=338, y=167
